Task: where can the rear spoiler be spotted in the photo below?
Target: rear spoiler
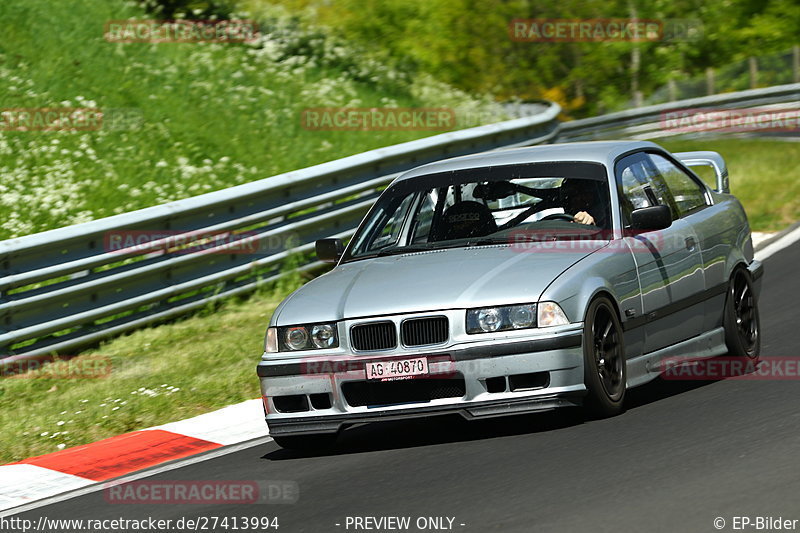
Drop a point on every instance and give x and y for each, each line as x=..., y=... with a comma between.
x=708, y=159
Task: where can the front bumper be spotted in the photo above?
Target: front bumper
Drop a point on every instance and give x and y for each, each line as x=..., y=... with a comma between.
x=536, y=372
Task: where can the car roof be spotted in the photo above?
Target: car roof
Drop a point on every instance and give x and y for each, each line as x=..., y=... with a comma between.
x=604, y=152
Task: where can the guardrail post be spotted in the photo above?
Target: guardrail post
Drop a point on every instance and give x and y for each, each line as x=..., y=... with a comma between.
x=753, y=72
x=796, y=63
x=709, y=81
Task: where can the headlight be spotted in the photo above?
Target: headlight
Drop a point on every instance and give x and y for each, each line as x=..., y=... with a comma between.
x=323, y=336
x=489, y=319
x=309, y=337
x=504, y=318
x=522, y=316
x=296, y=338
x=551, y=314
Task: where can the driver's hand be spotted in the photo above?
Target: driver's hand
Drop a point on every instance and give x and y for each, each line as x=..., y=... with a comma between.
x=583, y=218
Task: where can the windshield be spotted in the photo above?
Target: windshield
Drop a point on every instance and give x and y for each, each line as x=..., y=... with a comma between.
x=485, y=206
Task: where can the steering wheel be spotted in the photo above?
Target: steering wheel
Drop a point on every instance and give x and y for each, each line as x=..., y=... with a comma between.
x=562, y=216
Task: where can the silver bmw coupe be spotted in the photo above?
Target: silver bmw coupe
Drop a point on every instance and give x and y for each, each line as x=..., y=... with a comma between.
x=515, y=281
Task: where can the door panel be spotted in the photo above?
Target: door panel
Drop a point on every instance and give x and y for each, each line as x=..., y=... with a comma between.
x=714, y=228
x=668, y=261
x=716, y=233
x=671, y=277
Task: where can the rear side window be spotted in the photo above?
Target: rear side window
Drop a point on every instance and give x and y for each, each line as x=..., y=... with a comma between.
x=687, y=194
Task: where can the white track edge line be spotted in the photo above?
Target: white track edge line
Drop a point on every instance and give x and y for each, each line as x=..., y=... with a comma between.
x=779, y=244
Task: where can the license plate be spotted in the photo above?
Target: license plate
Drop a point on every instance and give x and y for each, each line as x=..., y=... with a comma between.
x=399, y=369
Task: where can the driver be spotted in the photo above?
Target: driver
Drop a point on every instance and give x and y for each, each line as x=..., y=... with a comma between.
x=578, y=197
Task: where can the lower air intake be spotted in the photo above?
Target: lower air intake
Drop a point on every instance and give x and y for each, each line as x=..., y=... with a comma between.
x=376, y=393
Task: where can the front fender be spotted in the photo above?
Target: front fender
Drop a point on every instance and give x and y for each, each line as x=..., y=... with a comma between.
x=610, y=270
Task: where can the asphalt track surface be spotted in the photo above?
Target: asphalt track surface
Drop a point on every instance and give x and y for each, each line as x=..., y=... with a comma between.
x=683, y=454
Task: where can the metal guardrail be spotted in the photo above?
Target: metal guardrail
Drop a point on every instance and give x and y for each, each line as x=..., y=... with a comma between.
x=64, y=288
x=647, y=122
x=68, y=287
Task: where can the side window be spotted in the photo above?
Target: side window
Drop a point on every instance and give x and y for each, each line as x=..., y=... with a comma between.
x=388, y=229
x=633, y=189
x=636, y=185
x=659, y=187
x=424, y=218
x=688, y=195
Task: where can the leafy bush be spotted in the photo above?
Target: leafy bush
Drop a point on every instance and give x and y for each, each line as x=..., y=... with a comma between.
x=467, y=44
x=189, y=9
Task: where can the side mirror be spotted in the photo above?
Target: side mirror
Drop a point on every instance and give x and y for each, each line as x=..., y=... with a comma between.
x=651, y=218
x=329, y=250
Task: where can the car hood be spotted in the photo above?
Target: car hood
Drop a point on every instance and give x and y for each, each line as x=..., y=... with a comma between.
x=427, y=281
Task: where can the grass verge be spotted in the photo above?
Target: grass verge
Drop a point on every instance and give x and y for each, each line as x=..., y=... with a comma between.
x=158, y=375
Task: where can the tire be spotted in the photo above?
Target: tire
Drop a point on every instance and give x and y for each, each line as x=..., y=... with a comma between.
x=741, y=318
x=604, y=365
x=307, y=443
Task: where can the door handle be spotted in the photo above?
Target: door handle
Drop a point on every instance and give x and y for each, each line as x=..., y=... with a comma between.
x=690, y=243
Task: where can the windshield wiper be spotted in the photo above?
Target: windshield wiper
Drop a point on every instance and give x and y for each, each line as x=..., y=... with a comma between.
x=393, y=250
x=424, y=247
x=485, y=241
x=482, y=241
x=397, y=250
